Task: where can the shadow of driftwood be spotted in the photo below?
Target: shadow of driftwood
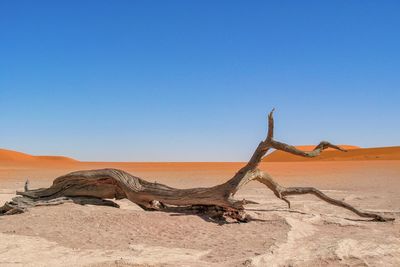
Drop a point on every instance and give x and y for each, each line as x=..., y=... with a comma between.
x=219, y=221
x=305, y=213
x=283, y=210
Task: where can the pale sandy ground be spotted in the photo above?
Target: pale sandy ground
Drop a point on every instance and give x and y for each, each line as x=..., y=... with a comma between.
x=311, y=234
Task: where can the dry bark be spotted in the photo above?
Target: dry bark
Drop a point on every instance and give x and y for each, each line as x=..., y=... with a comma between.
x=218, y=202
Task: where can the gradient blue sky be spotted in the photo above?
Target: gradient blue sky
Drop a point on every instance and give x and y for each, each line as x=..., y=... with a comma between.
x=194, y=80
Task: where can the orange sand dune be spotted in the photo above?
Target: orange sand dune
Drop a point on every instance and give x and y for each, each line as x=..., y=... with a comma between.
x=14, y=156
x=353, y=153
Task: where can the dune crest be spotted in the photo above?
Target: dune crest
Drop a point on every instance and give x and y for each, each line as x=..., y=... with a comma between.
x=15, y=156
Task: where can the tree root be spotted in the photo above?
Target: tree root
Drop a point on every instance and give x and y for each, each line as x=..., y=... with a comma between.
x=21, y=204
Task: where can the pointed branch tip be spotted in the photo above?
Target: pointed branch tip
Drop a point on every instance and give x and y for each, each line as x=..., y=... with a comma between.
x=270, y=134
x=271, y=114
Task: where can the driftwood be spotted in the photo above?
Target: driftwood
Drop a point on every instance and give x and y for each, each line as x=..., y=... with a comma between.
x=218, y=202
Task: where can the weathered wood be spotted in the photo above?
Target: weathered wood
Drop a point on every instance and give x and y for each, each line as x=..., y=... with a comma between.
x=95, y=186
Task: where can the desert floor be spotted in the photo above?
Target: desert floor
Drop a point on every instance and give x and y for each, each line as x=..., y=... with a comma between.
x=312, y=233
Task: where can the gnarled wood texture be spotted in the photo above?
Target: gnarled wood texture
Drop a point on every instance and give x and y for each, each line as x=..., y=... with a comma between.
x=96, y=186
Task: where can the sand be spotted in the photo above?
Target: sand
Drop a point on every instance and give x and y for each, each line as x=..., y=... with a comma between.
x=312, y=233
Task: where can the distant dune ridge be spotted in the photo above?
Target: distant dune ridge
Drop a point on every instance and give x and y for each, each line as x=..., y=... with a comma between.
x=353, y=153
x=14, y=156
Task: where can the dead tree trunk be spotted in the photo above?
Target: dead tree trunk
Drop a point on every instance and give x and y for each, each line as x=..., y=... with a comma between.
x=96, y=186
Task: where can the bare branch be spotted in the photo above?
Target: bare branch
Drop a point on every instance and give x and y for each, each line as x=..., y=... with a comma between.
x=281, y=192
x=336, y=202
x=309, y=154
x=270, y=134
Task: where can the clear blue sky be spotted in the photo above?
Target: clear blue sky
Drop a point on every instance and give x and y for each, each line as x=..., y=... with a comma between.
x=194, y=80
